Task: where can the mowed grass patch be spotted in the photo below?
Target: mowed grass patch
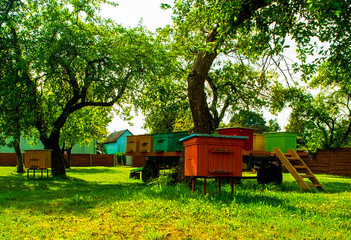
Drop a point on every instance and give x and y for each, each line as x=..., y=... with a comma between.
x=103, y=203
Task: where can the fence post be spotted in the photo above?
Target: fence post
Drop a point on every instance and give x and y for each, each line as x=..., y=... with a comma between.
x=91, y=160
x=329, y=161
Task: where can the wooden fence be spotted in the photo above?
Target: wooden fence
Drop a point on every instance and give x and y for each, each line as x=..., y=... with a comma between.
x=333, y=161
x=77, y=160
x=8, y=159
x=86, y=160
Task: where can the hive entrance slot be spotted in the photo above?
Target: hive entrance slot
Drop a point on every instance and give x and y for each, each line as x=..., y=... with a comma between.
x=219, y=171
x=219, y=150
x=34, y=162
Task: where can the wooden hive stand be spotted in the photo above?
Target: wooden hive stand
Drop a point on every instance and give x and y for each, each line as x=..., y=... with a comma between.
x=37, y=159
x=298, y=169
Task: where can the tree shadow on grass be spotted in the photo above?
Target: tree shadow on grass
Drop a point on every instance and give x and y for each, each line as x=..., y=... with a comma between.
x=75, y=195
x=61, y=195
x=245, y=195
x=91, y=170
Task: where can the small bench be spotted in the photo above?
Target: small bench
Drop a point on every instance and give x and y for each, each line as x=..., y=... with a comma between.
x=135, y=173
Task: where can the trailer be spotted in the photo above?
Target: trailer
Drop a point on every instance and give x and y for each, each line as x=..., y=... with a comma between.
x=156, y=161
x=220, y=157
x=266, y=164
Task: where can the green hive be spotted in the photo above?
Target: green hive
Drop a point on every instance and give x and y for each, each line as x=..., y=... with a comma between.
x=282, y=140
x=163, y=142
x=177, y=136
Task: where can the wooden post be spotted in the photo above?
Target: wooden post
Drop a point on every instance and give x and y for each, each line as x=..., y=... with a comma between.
x=91, y=160
x=329, y=161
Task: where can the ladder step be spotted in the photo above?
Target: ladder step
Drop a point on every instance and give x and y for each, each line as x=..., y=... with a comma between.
x=307, y=176
x=315, y=185
x=293, y=159
x=300, y=167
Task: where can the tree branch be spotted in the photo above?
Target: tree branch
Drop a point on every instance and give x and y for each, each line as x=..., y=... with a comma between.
x=6, y=12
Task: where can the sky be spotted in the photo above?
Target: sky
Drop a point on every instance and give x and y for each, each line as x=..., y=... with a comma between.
x=129, y=13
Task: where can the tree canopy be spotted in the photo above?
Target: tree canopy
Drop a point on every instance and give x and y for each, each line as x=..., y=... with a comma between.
x=62, y=59
x=251, y=30
x=68, y=59
x=324, y=118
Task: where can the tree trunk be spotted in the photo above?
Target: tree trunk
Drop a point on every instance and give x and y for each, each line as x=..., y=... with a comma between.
x=57, y=159
x=69, y=155
x=19, y=157
x=180, y=169
x=203, y=122
x=196, y=92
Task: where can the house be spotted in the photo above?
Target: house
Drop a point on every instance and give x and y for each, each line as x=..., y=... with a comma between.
x=116, y=142
x=24, y=144
x=85, y=148
x=31, y=145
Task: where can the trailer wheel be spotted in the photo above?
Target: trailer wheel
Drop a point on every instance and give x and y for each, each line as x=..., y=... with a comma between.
x=149, y=172
x=270, y=174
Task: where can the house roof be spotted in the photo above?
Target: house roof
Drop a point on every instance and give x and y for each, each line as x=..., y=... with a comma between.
x=113, y=137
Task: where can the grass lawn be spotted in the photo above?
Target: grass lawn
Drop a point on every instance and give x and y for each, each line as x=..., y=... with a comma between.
x=103, y=203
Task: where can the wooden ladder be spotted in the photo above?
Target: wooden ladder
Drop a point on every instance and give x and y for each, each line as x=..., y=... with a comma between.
x=298, y=169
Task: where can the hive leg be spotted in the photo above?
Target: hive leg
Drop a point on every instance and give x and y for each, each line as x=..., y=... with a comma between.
x=232, y=184
x=193, y=184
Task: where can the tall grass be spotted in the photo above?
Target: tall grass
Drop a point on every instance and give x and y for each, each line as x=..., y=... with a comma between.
x=103, y=203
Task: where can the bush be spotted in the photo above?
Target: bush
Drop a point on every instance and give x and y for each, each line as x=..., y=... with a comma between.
x=121, y=158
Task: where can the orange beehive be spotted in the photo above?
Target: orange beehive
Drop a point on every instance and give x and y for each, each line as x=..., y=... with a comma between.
x=37, y=159
x=146, y=143
x=213, y=156
x=132, y=144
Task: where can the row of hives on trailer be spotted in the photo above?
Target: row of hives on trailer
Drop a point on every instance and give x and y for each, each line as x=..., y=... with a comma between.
x=163, y=150
x=169, y=142
x=221, y=156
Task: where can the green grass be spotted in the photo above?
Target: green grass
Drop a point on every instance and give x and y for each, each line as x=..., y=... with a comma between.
x=103, y=203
